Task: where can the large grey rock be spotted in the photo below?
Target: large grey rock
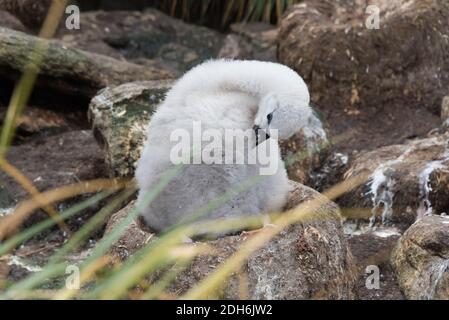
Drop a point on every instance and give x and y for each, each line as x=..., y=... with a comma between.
x=119, y=116
x=396, y=74
x=406, y=182
x=308, y=260
x=421, y=259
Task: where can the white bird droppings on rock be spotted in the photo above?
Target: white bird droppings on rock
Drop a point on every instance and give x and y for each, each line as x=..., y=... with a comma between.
x=425, y=206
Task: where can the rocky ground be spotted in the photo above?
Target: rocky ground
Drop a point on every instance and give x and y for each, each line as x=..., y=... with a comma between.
x=380, y=94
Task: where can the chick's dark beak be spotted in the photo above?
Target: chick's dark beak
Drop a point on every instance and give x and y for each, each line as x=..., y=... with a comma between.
x=256, y=129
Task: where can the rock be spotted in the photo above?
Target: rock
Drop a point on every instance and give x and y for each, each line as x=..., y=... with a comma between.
x=407, y=181
x=132, y=239
x=306, y=152
x=328, y=169
x=304, y=261
x=234, y=47
x=7, y=20
x=52, y=162
x=252, y=40
x=421, y=259
x=396, y=74
x=31, y=13
x=145, y=37
x=68, y=71
x=119, y=116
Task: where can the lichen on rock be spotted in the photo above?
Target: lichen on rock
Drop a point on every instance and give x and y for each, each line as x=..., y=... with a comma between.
x=119, y=116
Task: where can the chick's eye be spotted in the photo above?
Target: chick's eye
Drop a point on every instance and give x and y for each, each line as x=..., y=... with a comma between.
x=269, y=117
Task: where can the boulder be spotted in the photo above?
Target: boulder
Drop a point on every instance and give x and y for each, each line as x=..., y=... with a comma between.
x=407, y=182
x=421, y=259
x=396, y=74
x=309, y=260
x=120, y=114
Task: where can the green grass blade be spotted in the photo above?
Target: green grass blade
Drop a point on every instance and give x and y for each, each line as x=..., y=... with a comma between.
x=27, y=234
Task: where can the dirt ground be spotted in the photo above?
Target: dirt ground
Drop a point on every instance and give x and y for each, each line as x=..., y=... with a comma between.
x=371, y=128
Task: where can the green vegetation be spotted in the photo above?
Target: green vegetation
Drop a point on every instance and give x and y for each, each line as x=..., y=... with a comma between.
x=220, y=13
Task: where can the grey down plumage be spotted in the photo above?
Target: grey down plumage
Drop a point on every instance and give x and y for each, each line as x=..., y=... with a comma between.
x=220, y=94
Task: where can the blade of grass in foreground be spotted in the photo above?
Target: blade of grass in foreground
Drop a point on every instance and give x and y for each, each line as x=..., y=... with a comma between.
x=26, y=184
x=157, y=288
x=10, y=223
x=22, y=287
x=48, y=223
x=94, y=223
